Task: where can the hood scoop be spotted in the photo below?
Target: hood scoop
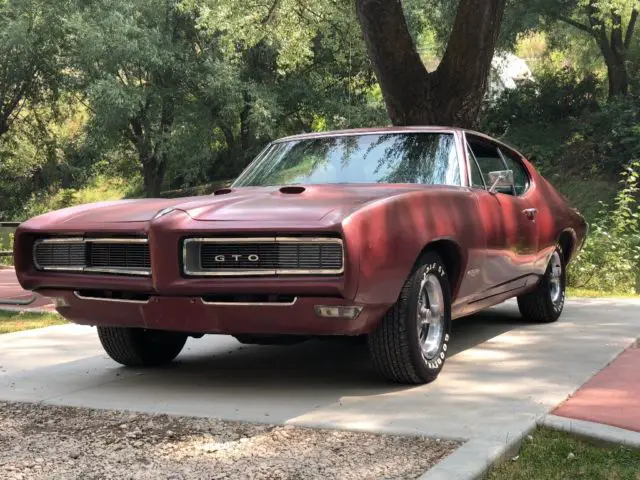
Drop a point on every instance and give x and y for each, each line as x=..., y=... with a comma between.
x=292, y=190
x=222, y=191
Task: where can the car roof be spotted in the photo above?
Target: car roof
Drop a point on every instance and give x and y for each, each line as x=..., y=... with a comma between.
x=383, y=130
x=369, y=131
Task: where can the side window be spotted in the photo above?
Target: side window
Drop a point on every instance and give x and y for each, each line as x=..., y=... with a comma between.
x=489, y=159
x=476, y=174
x=520, y=174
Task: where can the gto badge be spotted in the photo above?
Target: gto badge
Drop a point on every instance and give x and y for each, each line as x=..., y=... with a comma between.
x=236, y=258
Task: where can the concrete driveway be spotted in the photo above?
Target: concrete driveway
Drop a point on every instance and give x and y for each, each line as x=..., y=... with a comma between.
x=502, y=374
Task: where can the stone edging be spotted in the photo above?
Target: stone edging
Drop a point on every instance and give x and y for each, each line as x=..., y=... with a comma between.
x=592, y=431
x=476, y=457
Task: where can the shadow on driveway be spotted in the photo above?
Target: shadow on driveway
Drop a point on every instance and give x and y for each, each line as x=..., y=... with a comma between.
x=502, y=372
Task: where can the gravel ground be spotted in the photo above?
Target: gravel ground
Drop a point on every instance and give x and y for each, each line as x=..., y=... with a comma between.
x=38, y=442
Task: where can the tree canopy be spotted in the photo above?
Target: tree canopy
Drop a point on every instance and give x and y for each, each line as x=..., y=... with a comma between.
x=172, y=94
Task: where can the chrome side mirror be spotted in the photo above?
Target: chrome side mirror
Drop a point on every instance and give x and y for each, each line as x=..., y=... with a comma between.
x=501, y=179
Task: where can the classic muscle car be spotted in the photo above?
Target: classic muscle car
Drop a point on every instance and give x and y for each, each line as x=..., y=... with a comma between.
x=388, y=234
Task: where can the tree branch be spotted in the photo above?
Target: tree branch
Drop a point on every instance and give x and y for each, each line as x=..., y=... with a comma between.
x=599, y=30
x=304, y=7
x=616, y=32
x=576, y=24
x=271, y=13
x=122, y=78
x=402, y=75
x=632, y=24
x=464, y=70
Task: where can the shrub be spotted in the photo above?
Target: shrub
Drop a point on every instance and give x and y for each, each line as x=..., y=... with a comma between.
x=610, y=259
x=558, y=122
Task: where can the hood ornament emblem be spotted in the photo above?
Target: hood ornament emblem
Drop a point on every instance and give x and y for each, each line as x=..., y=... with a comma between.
x=163, y=212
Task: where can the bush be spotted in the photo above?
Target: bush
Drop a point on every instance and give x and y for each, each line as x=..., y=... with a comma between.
x=558, y=122
x=610, y=259
x=99, y=189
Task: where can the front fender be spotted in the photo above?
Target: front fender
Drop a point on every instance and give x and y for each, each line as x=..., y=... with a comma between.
x=389, y=236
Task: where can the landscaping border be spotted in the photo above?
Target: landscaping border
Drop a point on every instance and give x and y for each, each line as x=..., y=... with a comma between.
x=476, y=457
x=591, y=431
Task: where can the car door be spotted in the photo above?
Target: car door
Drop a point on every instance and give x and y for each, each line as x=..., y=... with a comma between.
x=508, y=217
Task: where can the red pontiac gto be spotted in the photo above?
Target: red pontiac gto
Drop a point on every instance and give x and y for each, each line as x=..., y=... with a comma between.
x=385, y=233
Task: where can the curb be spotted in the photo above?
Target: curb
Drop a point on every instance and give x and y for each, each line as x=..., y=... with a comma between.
x=475, y=458
x=5, y=308
x=592, y=431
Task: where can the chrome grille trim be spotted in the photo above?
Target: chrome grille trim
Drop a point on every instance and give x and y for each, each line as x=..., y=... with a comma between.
x=86, y=267
x=79, y=296
x=194, y=268
x=251, y=304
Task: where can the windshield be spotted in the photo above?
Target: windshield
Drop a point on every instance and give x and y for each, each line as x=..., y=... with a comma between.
x=424, y=158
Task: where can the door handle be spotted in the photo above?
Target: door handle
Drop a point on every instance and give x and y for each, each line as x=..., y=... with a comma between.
x=530, y=213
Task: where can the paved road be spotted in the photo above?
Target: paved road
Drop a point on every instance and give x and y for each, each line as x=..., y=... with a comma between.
x=11, y=293
x=502, y=374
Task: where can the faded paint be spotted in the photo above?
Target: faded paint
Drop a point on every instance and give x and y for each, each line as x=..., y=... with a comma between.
x=385, y=228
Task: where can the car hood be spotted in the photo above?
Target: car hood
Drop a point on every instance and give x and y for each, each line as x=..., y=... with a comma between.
x=290, y=203
x=308, y=203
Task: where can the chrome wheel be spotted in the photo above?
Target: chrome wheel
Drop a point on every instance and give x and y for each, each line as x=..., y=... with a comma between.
x=431, y=310
x=555, y=278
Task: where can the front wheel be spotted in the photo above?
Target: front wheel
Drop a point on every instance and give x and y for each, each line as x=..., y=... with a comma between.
x=546, y=302
x=410, y=344
x=137, y=347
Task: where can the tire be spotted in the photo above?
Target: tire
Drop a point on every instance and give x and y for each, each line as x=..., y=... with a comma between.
x=396, y=346
x=136, y=347
x=546, y=302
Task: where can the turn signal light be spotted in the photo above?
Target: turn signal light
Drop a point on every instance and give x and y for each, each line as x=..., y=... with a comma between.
x=349, y=312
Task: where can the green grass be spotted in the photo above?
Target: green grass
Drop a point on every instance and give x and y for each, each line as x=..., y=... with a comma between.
x=100, y=189
x=11, y=322
x=588, y=293
x=547, y=457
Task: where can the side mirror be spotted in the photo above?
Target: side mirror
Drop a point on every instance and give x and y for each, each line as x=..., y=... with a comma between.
x=501, y=180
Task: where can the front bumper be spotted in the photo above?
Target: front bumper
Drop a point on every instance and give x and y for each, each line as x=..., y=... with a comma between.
x=193, y=315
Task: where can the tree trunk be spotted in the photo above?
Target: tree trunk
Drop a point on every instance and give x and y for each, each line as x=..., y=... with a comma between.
x=618, y=77
x=4, y=126
x=153, y=176
x=155, y=159
x=614, y=47
x=614, y=54
x=245, y=133
x=453, y=94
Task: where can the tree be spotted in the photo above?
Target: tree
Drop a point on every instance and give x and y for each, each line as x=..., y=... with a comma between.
x=612, y=24
x=136, y=64
x=290, y=66
x=194, y=92
x=31, y=45
x=453, y=93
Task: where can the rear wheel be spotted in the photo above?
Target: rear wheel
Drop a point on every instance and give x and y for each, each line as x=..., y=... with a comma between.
x=546, y=302
x=410, y=344
x=136, y=347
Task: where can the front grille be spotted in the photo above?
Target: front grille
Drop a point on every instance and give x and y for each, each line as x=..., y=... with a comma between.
x=126, y=256
x=118, y=255
x=229, y=256
x=62, y=255
x=263, y=256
